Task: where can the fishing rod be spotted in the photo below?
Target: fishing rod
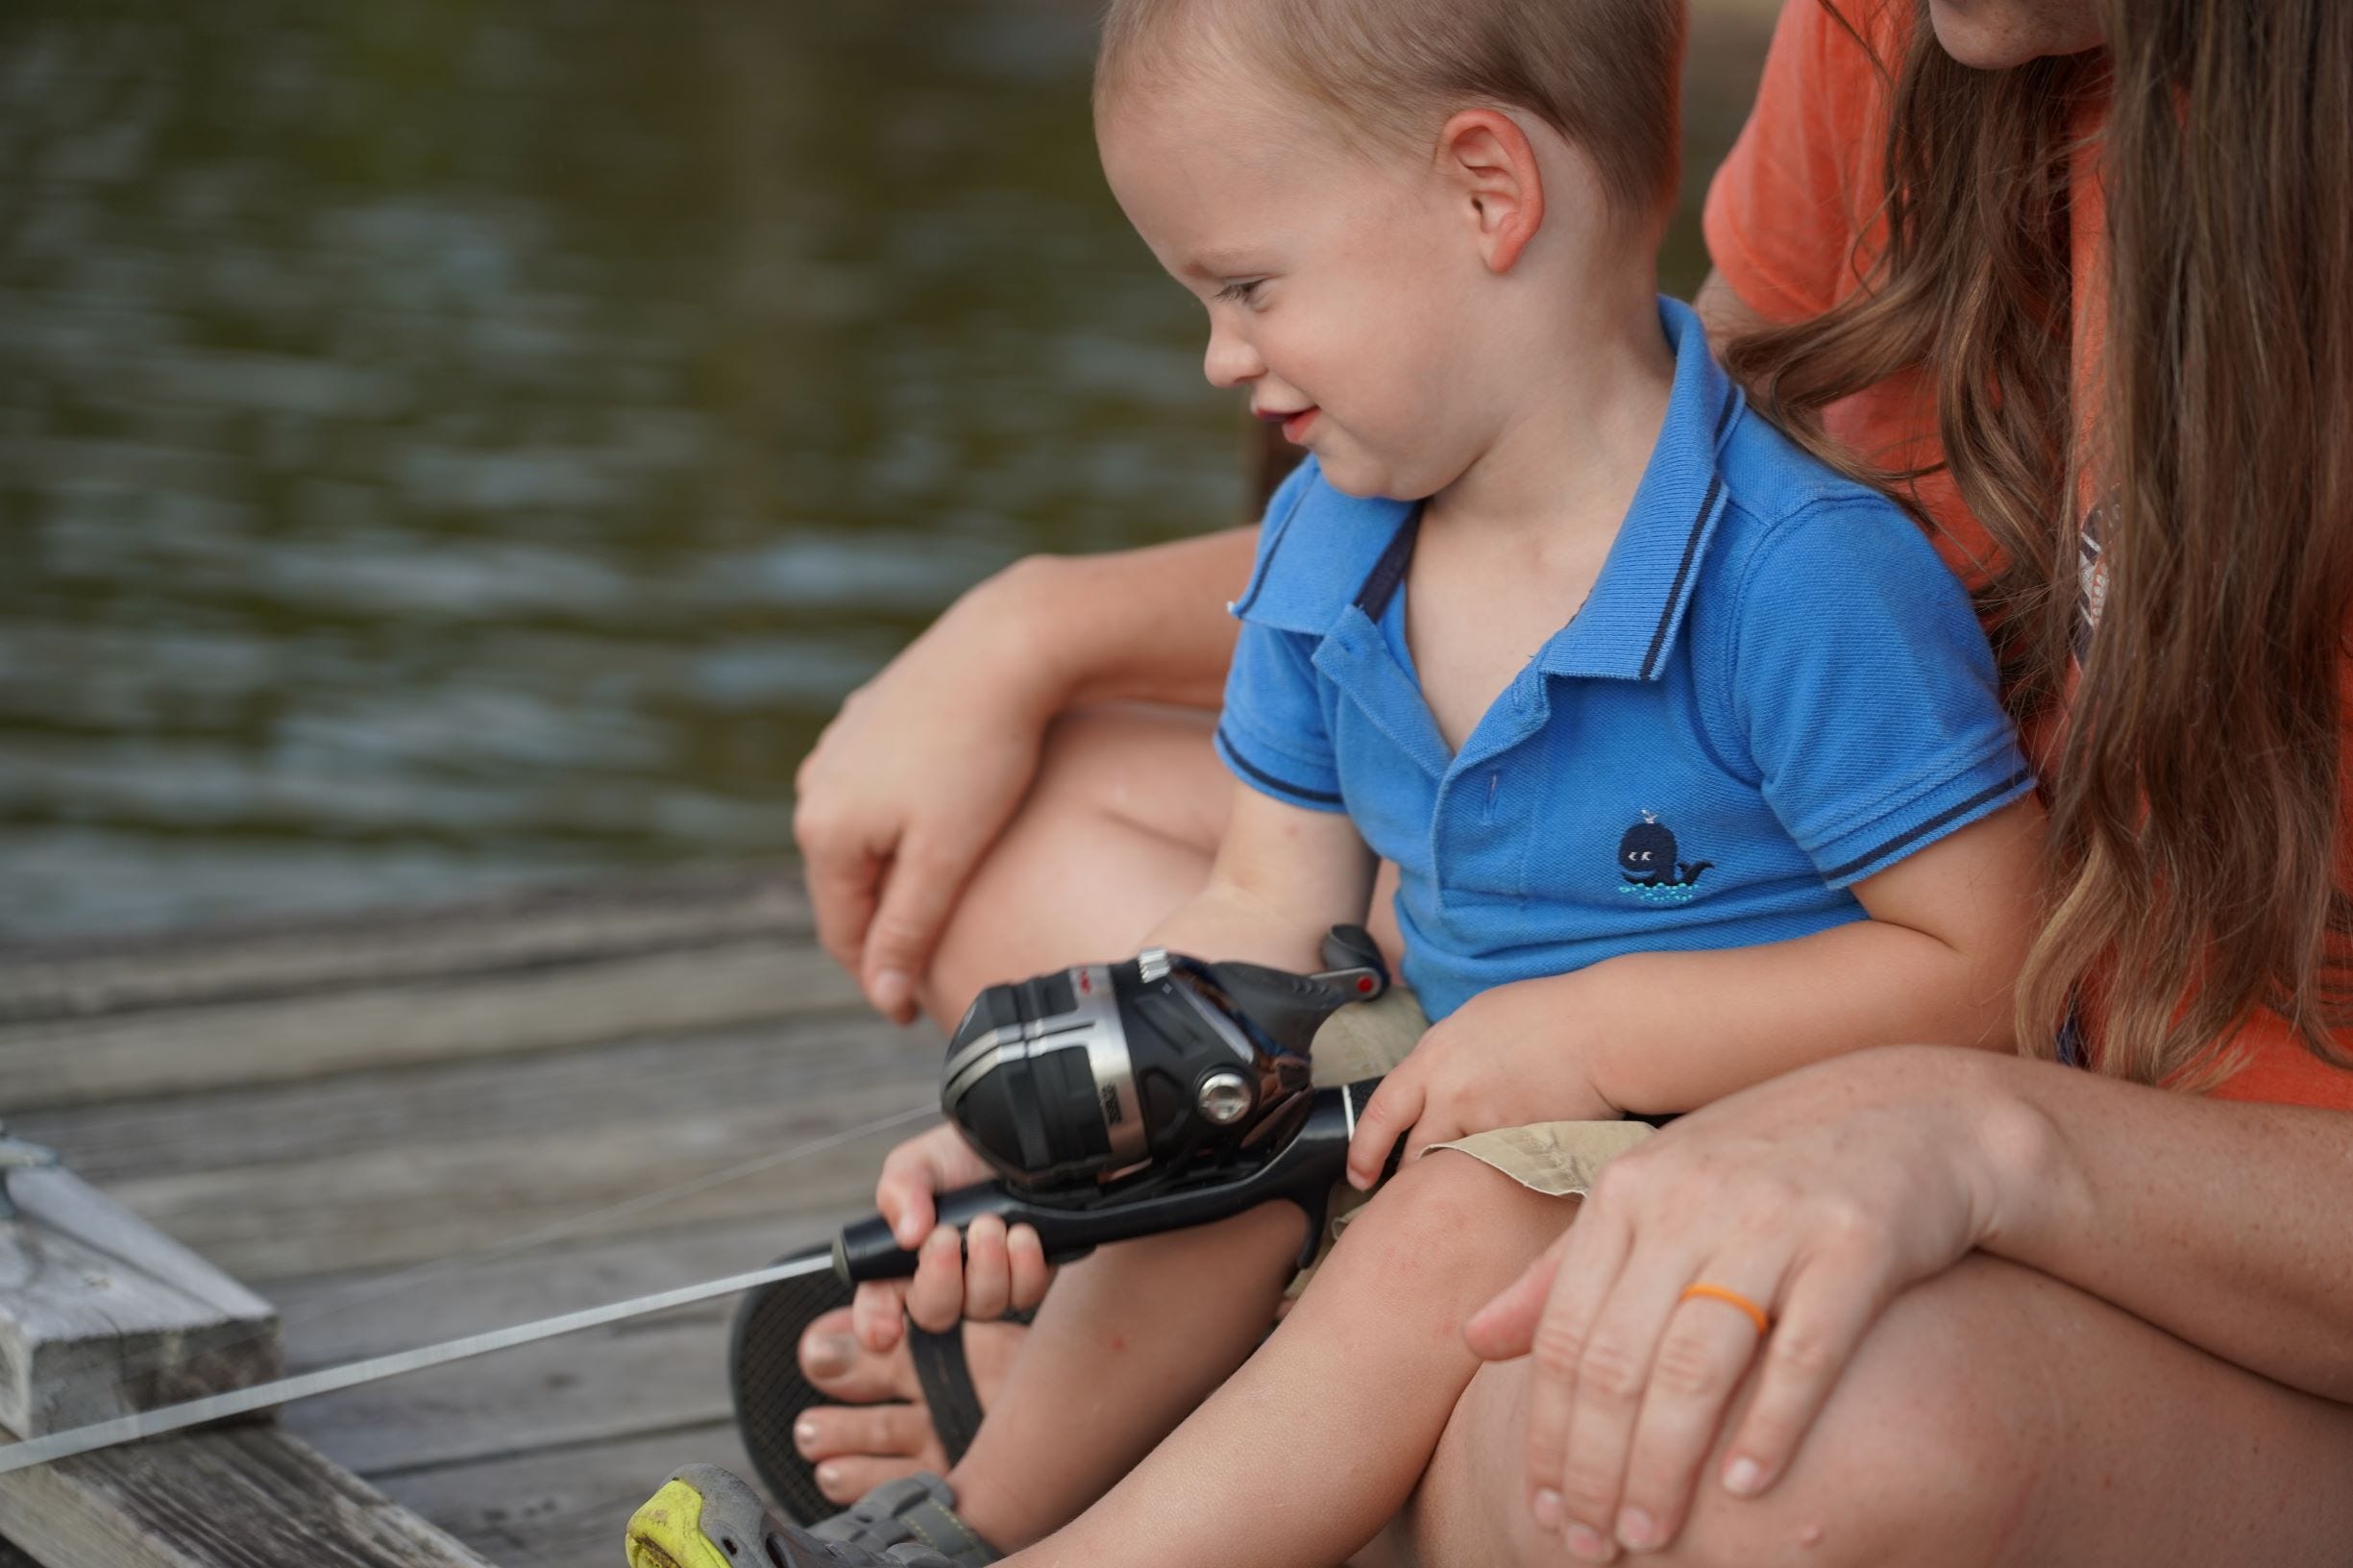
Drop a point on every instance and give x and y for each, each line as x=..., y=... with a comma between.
x=1111, y=1100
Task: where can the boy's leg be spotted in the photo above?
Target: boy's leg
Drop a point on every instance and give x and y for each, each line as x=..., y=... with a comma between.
x=1125, y=1345
x=1119, y=831
x=1317, y=1443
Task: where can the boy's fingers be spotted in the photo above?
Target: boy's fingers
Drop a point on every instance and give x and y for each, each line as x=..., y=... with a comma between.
x=1025, y=1255
x=1394, y=1107
x=988, y=1276
x=935, y=1296
x=911, y=1174
x=1431, y=1127
x=876, y=1312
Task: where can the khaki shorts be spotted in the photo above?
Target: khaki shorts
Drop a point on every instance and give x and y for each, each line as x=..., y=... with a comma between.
x=1559, y=1158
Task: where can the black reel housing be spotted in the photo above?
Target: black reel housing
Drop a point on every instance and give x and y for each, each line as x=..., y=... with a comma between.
x=1108, y=1076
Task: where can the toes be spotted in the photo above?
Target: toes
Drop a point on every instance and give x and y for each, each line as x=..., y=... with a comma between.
x=845, y=1480
x=875, y=1432
x=837, y=1365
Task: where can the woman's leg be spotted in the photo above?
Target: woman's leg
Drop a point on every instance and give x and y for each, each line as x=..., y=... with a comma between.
x=1117, y=833
x=1994, y=1417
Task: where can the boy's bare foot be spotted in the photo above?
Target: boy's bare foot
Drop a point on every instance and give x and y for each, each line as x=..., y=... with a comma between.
x=881, y=1430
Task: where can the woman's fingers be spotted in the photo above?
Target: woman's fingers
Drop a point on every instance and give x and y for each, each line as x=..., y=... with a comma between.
x=925, y=878
x=1830, y=1306
x=845, y=879
x=1612, y=1373
x=1708, y=1345
x=1590, y=1257
x=1395, y=1105
x=1506, y=1326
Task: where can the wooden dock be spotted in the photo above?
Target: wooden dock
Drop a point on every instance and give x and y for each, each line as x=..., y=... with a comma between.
x=361, y=1119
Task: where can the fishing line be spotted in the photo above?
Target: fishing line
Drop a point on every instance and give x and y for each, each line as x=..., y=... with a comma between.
x=377, y=1287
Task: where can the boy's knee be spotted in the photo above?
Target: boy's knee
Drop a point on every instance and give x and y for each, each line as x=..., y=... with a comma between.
x=1448, y=1212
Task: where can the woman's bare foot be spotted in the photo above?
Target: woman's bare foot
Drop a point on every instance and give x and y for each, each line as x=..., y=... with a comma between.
x=881, y=1430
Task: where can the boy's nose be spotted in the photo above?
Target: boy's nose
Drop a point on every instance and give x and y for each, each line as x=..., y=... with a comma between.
x=1230, y=360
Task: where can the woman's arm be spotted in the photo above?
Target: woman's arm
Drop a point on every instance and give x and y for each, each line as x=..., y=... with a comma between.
x=1824, y=1194
x=921, y=770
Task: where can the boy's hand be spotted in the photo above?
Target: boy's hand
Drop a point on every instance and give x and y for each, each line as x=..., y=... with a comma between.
x=983, y=1274
x=1508, y=1055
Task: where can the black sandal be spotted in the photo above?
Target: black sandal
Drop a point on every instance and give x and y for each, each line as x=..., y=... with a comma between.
x=764, y=1374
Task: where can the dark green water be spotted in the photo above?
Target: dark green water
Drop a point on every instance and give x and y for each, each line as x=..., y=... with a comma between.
x=445, y=443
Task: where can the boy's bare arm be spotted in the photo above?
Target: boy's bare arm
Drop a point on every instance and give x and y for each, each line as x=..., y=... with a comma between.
x=1651, y=1033
x=1284, y=876
x=1937, y=963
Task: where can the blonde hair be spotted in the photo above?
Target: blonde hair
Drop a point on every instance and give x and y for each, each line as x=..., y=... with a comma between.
x=1605, y=74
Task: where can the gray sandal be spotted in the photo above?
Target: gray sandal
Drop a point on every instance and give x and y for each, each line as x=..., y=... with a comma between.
x=706, y=1517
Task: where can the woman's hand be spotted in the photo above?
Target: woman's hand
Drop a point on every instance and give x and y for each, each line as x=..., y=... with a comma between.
x=1817, y=1196
x=1508, y=1055
x=914, y=780
x=983, y=1274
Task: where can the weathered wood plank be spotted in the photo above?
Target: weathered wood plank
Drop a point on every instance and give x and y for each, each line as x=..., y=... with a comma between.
x=363, y=1209
x=560, y=1507
x=647, y=1376
x=183, y=1050
x=101, y=1316
x=80, y=978
x=648, y=1079
x=245, y=1497
x=12, y=1555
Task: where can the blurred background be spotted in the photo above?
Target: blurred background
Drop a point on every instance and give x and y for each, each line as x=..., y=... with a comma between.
x=458, y=443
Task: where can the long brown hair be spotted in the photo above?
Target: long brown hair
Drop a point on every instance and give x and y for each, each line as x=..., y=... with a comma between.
x=2195, y=800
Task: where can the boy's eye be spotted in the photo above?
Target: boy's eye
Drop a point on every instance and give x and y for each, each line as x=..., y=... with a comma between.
x=1243, y=291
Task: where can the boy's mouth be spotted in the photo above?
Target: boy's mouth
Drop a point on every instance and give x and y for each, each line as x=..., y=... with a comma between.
x=1295, y=426
x=1295, y=422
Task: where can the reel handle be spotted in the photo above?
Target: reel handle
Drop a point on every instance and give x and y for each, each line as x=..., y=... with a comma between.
x=1303, y=1172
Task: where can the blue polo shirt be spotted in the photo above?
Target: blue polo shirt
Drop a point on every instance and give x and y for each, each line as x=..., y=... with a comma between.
x=1773, y=690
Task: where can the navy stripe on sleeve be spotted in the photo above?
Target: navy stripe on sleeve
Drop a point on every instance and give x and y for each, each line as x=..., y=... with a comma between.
x=1262, y=775
x=1921, y=831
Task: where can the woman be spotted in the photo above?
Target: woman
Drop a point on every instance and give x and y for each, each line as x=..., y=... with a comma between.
x=2102, y=336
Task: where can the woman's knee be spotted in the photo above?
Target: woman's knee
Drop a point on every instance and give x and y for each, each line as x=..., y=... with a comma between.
x=1929, y=1451
x=1117, y=829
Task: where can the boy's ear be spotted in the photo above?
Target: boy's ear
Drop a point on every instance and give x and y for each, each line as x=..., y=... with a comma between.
x=1488, y=158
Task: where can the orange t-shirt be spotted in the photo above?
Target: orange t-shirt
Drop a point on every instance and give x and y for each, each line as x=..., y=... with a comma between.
x=1794, y=226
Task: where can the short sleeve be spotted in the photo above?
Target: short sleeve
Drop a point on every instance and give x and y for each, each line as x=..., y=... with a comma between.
x=1272, y=733
x=1802, y=184
x=1865, y=691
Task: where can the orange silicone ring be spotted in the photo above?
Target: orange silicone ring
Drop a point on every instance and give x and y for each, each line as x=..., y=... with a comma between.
x=1731, y=1298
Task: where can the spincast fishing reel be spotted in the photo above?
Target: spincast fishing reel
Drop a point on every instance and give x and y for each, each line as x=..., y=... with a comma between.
x=1116, y=1100
x=1113, y=1101
x=1105, y=1077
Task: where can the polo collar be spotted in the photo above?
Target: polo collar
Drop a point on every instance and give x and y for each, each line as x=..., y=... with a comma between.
x=1626, y=627
x=1325, y=553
